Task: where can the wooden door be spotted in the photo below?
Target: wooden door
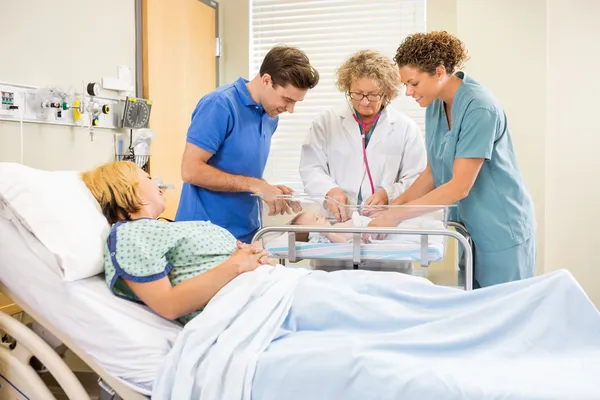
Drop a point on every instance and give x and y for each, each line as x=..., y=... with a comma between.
x=179, y=67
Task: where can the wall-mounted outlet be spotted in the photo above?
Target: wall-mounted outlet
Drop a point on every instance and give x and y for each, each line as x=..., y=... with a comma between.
x=54, y=106
x=8, y=100
x=11, y=103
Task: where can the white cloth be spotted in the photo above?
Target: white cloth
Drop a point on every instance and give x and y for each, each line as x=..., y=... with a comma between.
x=222, y=344
x=356, y=335
x=413, y=223
x=316, y=237
x=332, y=155
x=362, y=221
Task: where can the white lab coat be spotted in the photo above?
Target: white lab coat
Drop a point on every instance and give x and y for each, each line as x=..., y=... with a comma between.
x=332, y=154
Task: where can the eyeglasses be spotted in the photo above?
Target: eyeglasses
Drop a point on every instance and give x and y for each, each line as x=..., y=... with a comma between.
x=373, y=98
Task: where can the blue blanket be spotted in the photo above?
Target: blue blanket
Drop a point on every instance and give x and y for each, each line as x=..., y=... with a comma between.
x=383, y=335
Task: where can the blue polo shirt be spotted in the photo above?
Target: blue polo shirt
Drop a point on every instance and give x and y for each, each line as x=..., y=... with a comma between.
x=237, y=131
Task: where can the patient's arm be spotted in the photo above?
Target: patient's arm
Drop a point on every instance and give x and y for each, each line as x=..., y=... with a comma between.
x=172, y=302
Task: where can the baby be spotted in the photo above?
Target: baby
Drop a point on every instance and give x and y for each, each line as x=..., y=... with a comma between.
x=316, y=218
x=357, y=220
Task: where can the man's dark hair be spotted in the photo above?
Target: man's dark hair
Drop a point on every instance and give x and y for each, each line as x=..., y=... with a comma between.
x=289, y=65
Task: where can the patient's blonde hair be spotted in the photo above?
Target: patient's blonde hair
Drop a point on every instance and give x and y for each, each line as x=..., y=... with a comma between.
x=115, y=187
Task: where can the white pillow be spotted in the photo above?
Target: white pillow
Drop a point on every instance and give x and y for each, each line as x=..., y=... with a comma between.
x=59, y=209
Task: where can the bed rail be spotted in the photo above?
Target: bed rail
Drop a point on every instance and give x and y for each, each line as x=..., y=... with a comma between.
x=120, y=389
x=357, y=232
x=16, y=371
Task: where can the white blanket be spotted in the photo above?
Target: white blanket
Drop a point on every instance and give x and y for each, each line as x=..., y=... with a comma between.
x=357, y=335
x=222, y=344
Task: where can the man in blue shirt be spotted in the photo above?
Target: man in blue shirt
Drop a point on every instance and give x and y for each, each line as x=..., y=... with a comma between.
x=229, y=139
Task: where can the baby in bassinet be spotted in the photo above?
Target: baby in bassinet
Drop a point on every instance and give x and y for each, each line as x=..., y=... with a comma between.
x=357, y=220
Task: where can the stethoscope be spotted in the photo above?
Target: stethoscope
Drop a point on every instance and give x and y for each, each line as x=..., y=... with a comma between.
x=363, y=134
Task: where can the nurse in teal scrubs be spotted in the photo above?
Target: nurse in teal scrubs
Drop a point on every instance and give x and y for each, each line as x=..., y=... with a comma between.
x=471, y=160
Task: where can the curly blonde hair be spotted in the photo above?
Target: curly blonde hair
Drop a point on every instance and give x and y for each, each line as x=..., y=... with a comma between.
x=115, y=187
x=370, y=64
x=427, y=51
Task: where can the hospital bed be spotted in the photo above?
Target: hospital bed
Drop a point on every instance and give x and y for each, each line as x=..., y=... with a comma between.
x=420, y=239
x=122, y=342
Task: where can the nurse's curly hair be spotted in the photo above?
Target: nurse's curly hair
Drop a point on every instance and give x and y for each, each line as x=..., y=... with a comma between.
x=427, y=51
x=115, y=187
x=370, y=64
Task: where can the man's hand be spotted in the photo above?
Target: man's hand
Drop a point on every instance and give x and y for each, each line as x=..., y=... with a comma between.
x=270, y=193
x=294, y=205
x=336, y=207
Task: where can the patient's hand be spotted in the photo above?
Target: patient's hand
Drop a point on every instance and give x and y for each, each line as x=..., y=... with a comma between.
x=257, y=248
x=257, y=245
x=248, y=258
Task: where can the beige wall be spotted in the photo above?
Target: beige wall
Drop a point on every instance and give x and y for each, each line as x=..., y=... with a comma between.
x=572, y=141
x=62, y=43
x=511, y=62
x=234, y=20
x=531, y=54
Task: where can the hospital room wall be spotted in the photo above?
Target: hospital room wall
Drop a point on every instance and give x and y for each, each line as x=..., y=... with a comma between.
x=506, y=41
x=63, y=43
x=572, y=141
x=234, y=21
x=525, y=52
x=538, y=57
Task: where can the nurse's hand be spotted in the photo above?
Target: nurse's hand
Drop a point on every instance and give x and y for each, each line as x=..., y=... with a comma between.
x=336, y=207
x=379, y=198
x=385, y=219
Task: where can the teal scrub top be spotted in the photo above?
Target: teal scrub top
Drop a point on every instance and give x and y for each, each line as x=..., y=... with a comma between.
x=498, y=212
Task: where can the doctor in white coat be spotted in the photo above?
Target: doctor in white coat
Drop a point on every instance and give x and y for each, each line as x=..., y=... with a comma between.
x=362, y=152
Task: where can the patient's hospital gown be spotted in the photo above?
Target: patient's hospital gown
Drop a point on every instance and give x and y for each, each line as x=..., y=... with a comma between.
x=145, y=250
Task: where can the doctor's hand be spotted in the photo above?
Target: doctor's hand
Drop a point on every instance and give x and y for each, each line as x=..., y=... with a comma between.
x=378, y=198
x=336, y=207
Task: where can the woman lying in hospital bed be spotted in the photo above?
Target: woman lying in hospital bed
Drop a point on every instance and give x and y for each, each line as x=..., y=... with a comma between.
x=269, y=332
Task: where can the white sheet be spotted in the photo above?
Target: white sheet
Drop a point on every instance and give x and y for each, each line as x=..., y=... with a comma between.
x=124, y=338
x=360, y=335
x=223, y=343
